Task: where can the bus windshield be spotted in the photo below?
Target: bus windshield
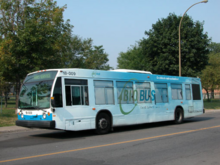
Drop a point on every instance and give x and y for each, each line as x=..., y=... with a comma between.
x=36, y=90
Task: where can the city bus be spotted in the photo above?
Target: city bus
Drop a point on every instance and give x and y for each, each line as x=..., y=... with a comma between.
x=83, y=99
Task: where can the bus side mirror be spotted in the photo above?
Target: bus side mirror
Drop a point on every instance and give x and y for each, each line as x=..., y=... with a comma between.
x=52, y=102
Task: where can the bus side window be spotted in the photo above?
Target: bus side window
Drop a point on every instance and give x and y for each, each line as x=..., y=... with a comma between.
x=57, y=93
x=144, y=92
x=76, y=96
x=86, y=95
x=188, y=92
x=196, y=92
x=68, y=95
x=76, y=92
x=125, y=92
x=104, y=93
x=161, y=93
x=176, y=91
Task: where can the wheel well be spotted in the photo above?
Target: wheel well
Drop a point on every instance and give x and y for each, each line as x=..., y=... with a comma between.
x=107, y=112
x=180, y=108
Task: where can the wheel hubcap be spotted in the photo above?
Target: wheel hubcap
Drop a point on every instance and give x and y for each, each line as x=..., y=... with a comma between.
x=103, y=123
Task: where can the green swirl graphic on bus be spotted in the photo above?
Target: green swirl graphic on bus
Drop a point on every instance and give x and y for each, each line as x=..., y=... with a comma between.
x=94, y=74
x=130, y=96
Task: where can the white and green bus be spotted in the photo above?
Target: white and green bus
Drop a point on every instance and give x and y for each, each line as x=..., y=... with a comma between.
x=83, y=99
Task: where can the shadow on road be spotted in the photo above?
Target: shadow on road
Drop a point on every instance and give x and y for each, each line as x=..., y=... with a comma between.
x=83, y=134
x=159, y=124
x=197, y=119
x=40, y=137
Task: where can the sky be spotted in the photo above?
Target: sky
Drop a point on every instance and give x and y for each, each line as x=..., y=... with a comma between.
x=119, y=24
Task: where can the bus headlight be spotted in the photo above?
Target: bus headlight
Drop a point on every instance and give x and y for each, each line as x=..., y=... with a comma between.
x=22, y=115
x=44, y=115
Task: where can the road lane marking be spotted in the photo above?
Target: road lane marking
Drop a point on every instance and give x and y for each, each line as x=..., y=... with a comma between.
x=110, y=144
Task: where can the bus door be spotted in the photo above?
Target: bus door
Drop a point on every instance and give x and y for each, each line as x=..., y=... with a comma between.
x=76, y=104
x=75, y=93
x=197, y=98
x=189, y=101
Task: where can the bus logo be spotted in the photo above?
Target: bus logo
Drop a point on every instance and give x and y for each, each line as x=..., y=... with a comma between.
x=94, y=74
x=128, y=96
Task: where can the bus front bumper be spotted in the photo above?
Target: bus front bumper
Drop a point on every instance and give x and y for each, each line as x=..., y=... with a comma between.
x=36, y=124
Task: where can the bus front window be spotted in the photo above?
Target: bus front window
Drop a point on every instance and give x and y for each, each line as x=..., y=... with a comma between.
x=36, y=90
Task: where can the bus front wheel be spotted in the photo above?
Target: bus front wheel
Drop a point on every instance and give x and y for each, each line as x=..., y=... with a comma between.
x=179, y=116
x=103, y=123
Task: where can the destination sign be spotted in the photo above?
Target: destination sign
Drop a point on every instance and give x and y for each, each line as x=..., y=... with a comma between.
x=41, y=76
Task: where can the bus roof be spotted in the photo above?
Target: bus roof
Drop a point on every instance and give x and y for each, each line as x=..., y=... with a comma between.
x=118, y=74
x=131, y=71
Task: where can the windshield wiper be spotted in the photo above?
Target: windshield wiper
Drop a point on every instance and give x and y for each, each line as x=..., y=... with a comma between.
x=27, y=107
x=42, y=109
x=33, y=108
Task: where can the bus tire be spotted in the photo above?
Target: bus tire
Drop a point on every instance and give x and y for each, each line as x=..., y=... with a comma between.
x=103, y=123
x=178, y=116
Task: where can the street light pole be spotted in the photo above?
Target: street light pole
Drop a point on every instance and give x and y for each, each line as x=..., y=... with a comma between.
x=204, y=1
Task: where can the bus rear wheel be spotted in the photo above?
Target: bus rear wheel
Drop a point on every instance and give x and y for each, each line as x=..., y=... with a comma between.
x=178, y=116
x=103, y=123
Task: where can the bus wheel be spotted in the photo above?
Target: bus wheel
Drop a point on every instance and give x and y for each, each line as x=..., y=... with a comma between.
x=178, y=116
x=103, y=123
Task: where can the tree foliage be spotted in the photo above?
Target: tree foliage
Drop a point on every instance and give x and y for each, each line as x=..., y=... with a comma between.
x=159, y=52
x=31, y=34
x=83, y=54
x=214, y=47
x=210, y=76
x=132, y=59
x=34, y=36
x=5, y=88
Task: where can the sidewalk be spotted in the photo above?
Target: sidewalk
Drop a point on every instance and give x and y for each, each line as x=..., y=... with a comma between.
x=17, y=128
x=212, y=110
x=13, y=129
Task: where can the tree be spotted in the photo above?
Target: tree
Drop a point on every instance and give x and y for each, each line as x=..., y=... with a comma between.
x=214, y=47
x=159, y=52
x=5, y=88
x=132, y=59
x=32, y=35
x=97, y=59
x=82, y=54
x=210, y=76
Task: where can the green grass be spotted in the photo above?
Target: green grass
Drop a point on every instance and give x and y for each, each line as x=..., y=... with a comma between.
x=7, y=115
x=212, y=104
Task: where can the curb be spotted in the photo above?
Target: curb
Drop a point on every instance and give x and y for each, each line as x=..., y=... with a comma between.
x=15, y=129
x=211, y=110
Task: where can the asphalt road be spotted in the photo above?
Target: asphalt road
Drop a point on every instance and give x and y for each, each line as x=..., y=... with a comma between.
x=197, y=141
